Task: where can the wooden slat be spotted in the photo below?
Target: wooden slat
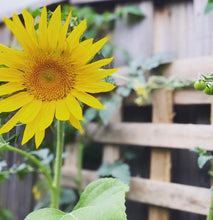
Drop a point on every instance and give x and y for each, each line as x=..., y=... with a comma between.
x=180, y=97
x=160, y=166
x=111, y=153
x=179, y=136
x=191, y=97
x=169, y=195
x=190, y=68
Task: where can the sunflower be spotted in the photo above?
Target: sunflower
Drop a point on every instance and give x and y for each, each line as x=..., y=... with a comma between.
x=50, y=75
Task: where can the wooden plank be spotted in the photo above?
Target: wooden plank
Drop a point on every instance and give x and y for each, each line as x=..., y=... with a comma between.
x=160, y=167
x=180, y=97
x=191, y=97
x=190, y=68
x=140, y=35
x=169, y=195
x=178, y=136
x=10, y=6
x=111, y=153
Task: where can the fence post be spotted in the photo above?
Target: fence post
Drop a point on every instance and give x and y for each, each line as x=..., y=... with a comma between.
x=160, y=167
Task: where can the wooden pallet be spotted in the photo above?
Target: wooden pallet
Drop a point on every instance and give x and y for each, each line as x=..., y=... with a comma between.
x=162, y=136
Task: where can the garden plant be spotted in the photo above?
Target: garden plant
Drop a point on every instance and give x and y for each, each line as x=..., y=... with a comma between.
x=43, y=84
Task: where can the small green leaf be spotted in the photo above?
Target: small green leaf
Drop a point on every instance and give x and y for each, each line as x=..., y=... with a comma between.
x=45, y=214
x=209, y=7
x=90, y=114
x=199, y=151
x=203, y=159
x=106, y=113
x=157, y=60
x=6, y=214
x=118, y=170
x=123, y=91
x=3, y=164
x=133, y=10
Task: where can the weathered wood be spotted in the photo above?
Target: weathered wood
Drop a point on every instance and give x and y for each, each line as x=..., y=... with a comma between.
x=180, y=97
x=139, y=34
x=111, y=153
x=191, y=97
x=160, y=167
x=179, y=136
x=190, y=68
x=168, y=195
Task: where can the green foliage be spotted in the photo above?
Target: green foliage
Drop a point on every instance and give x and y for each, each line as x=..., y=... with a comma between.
x=103, y=115
x=5, y=214
x=103, y=199
x=205, y=83
x=203, y=157
x=209, y=7
x=117, y=170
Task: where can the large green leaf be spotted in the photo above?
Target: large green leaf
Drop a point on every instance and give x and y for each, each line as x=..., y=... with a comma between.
x=45, y=214
x=102, y=200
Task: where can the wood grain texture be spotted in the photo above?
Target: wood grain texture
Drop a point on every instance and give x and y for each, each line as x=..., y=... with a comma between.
x=179, y=136
x=111, y=153
x=160, y=167
x=167, y=195
x=137, y=38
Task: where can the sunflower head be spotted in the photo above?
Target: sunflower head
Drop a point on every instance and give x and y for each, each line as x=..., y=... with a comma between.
x=50, y=75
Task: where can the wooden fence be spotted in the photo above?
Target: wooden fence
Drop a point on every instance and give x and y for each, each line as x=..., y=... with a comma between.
x=179, y=27
x=162, y=136
x=182, y=28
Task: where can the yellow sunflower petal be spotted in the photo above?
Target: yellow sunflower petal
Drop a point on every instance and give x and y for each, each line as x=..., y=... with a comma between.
x=75, y=123
x=54, y=28
x=87, y=99
x=94, y=87
x=95, y=48
x=94, y=75
x=10, y=75
x=30, y=111
x=61, y=112
x=46, y=114
x=14, y=102
x=74, y=38
x=42, y=29
x=74, y=107
x=94, y=66
x=39, y=136
x=29, y=131
x=29, y=25
x=80, y=54
x=11, y=57
x=63, y=33
x=10, y=88
x=19, y=31
x=10, y=124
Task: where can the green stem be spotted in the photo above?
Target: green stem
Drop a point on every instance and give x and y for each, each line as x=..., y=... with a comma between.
x=79, y=167
x=44, y=170
x=210, y=215
x=57, y=166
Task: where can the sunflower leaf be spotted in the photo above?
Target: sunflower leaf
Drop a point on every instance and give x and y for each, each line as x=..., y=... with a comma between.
x=103, y=199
